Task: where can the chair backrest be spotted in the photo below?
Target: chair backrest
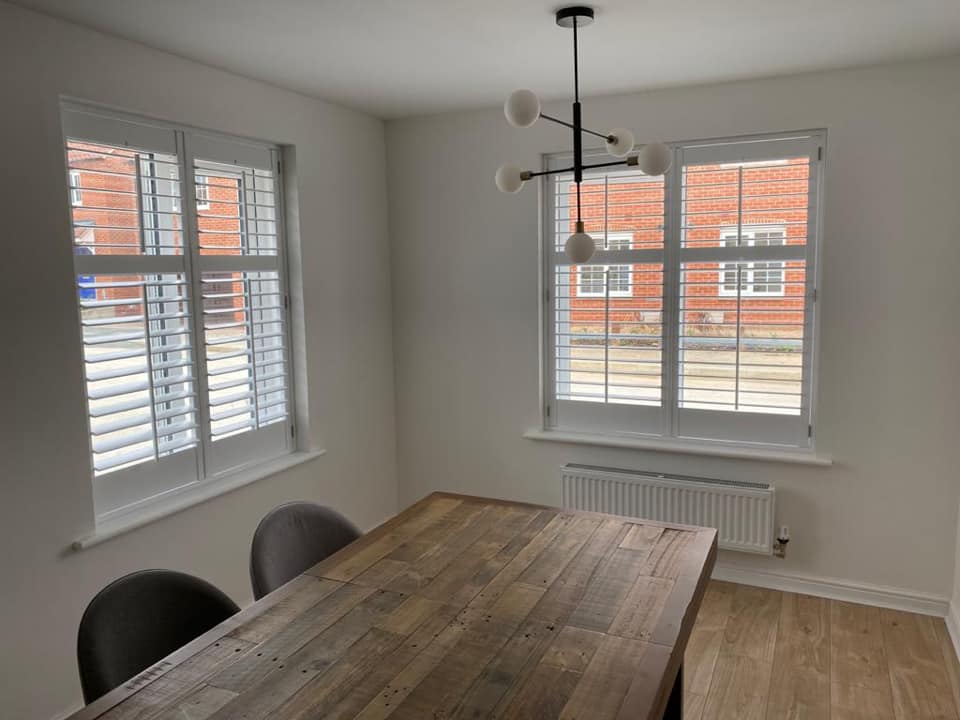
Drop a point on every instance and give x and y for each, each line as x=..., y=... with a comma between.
x=140, y=619
x=293, y=537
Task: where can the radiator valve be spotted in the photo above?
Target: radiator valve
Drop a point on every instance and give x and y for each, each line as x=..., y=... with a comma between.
x=780, y=546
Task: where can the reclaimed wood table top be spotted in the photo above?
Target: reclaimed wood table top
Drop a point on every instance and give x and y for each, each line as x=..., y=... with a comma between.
x=459, y=607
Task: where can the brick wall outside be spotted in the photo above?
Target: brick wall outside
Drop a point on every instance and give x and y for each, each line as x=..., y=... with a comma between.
x=107, y=223
x=772, y=195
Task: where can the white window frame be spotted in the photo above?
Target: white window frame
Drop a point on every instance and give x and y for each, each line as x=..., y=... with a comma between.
x=134, y=491
x=748, y=283
x=669, y=422
x=76, y=191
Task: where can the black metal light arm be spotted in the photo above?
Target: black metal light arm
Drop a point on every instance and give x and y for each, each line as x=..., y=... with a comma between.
x=558, y=121
x=630, y=162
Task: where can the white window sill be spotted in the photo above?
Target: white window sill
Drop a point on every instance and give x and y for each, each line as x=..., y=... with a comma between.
x=189, y=496
x=688, y=447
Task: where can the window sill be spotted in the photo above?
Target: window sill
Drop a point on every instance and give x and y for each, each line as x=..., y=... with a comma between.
x=686, y=447
x=190, y=496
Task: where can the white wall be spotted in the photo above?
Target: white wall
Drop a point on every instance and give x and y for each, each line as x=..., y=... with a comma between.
x=465, y=265
x=46, y=499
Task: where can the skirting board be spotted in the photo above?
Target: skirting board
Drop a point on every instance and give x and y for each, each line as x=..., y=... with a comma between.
x=953, y=626
x=834, y=589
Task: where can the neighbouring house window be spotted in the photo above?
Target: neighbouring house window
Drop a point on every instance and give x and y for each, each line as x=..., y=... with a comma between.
x=203, y=192
x=164, y=413
x=694, y=319
x=755, y=278
x=599, y=280
x=76, y=194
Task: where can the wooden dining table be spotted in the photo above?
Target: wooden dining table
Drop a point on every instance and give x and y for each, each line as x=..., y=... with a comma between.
x=458, y=607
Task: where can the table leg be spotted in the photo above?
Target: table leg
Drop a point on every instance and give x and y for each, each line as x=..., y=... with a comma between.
x=674, y=709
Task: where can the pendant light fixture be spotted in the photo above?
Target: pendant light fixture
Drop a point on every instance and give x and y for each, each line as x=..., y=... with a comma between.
x=522, y=109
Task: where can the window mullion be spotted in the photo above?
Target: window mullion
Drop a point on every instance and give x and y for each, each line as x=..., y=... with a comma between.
x=192, y=266
x=670, y=328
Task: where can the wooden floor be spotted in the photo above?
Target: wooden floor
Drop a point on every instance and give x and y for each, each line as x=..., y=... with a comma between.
x=760, y=654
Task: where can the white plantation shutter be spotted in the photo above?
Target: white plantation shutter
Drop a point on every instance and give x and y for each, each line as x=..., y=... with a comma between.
x=694, y=319
x=244, y=303
x=606, y=343
x=746, y=220
x=182, y=304
x=135, y=310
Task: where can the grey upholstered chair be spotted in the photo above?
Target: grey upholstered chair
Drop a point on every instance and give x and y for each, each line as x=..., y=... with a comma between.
x=140, y=619
x=293, y=537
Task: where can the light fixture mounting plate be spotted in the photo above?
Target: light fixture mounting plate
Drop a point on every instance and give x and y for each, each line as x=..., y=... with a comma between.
x=581, y=13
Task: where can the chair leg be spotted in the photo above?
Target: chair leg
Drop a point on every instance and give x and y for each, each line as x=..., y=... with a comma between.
x=674, y=710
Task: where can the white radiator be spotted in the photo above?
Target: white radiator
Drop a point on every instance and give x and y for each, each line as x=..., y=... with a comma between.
x=742, y=512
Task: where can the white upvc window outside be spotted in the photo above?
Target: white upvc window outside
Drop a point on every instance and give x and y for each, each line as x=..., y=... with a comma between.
x=716, y=339
x=183, y=316
x=598, y=280
x=76, y=193
x=756, y=278
x=203, y=192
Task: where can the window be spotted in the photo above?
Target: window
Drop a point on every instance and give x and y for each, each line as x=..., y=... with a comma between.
x=183, y=316
x=203, y=192
x=76, y=194
x=598, y=280
x=694, y=318
x=756, y=278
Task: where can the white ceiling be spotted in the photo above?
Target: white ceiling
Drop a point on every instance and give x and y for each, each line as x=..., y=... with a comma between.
x=406, y=57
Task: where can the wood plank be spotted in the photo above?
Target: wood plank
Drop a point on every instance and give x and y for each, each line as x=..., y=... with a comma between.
x=322, y=692
x=561, y=599
x=857, y=657
x=554, y=679
x=171, y=688
x=275, y=650
x=286, y=676
x=361, y=554
x=641, y=537
x=700, y=658
x=564, y=595
x=919, y=680
x=751, y=629
x=441, y=690
x=198, y=705
x=437, y=532
x=716, y=606
x=604, y=684
x=391, y=666
x=640, y=610
x=608, y=589
x=706, y=639
x=519, y=563
x=422, y=571
x=286, y=611
x=800, y=686
x=461, y=580
x=855, y=702
x=739, y=689
x=551, y=562
x=693, y=705
x=502, y=674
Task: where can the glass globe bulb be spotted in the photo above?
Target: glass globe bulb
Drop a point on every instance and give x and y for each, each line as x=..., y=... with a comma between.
x=579, y=247
x=522, y=108
x=509, y=178
x=622, y=142
x=654, y=159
